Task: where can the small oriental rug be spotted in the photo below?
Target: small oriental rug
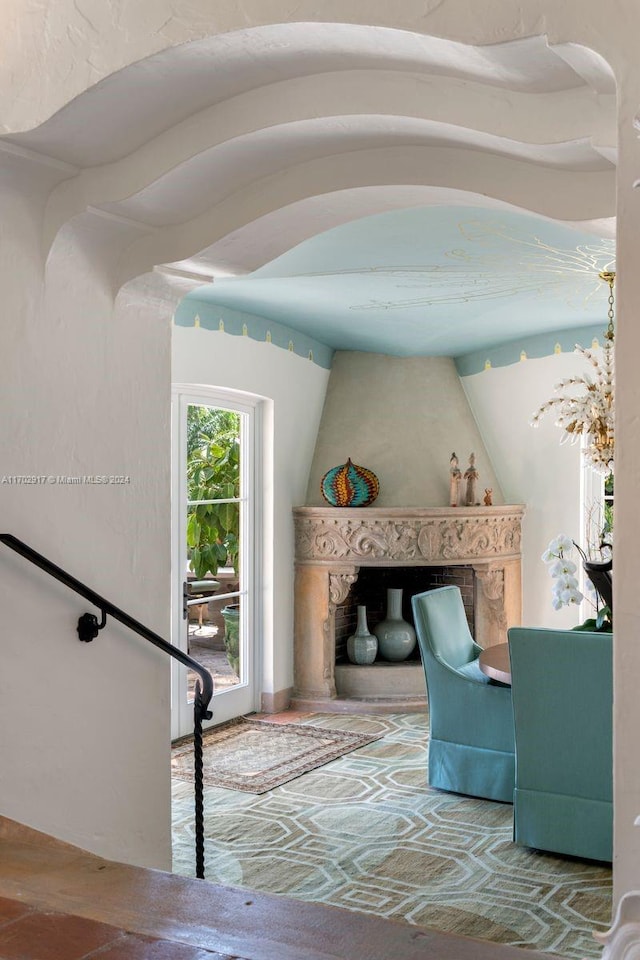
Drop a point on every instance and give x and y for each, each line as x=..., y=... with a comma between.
x=255, y=755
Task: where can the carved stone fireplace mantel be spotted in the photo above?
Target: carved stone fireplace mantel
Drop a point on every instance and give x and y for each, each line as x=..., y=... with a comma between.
x=333, y=543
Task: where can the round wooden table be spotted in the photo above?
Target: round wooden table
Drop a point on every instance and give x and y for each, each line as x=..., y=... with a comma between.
x=494, y=662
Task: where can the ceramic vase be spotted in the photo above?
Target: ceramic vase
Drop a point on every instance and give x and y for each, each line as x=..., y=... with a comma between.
x=349, y=485
x=362, y=647
x=396, y=637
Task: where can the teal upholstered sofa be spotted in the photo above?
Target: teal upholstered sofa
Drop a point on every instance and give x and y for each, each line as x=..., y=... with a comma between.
x=562, y=703
x=471, y=747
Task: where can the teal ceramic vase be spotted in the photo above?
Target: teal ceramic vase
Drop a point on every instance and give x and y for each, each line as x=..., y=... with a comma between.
x=396, y=637
x=362, y=647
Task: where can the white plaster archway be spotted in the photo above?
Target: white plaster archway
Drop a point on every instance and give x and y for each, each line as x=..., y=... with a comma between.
x=46, y=85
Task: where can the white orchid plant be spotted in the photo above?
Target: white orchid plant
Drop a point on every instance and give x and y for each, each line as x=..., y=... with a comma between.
x=566, y=589
x=562, y=568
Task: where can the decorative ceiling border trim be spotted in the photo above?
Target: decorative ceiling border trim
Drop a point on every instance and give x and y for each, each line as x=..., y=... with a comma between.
x=192, y=312
x=527, y=348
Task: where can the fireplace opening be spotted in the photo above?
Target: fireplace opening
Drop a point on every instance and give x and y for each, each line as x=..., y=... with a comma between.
x=370, y=590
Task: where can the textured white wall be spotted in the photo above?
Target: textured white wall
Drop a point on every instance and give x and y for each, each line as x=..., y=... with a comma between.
x=626, y=648
x=59, y=50
x=401, y=418
x=295, y=389
x=84, y=749
x=534, y=468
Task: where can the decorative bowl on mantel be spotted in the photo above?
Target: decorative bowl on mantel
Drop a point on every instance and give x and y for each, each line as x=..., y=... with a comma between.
x=349, y=485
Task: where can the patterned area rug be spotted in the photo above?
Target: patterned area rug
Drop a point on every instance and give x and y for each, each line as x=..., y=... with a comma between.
x=256, y=756
x=367, y=833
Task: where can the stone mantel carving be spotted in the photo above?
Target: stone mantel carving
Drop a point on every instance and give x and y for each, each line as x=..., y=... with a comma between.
x=333, y=543
x=407, y=536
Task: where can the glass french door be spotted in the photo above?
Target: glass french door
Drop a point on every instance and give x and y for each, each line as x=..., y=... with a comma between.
x=214, y=439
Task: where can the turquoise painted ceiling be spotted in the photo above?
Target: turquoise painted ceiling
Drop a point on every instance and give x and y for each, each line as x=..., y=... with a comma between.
x=436, y=280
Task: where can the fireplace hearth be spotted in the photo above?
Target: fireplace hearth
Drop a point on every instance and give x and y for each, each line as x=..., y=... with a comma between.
x=350, y=556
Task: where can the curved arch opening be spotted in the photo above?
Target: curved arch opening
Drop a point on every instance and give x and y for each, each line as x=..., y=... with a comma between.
x=350, y=206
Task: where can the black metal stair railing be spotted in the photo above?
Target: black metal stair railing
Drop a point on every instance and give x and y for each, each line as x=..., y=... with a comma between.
x=88, y=628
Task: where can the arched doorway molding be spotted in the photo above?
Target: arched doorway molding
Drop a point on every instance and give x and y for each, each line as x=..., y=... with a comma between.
x=154, y=33
x=537, y=139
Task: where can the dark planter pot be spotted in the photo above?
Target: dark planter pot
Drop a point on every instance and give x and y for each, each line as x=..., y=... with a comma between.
x=599, y=572
x=231, y=615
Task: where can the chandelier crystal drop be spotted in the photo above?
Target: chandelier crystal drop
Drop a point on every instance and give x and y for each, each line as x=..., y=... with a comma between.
x=584, y=404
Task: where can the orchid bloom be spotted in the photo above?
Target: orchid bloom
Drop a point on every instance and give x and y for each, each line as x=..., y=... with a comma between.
x=562, y=569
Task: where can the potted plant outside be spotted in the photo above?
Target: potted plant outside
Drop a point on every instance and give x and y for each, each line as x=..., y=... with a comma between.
x=231, y=614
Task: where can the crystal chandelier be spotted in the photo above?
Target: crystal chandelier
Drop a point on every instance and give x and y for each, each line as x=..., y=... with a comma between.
x=584, y=404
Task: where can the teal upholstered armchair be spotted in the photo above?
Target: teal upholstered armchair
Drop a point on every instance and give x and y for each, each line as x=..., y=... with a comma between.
x=562, y=703
x=470, y=718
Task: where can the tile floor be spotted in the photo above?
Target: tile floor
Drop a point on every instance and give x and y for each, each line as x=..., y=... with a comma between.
x=60, y=903
x=27, y=933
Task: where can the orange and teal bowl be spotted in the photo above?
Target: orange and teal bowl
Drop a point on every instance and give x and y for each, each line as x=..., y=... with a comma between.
x=349, y=485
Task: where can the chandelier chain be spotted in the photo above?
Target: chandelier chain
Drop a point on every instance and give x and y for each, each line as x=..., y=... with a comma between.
x=609, y=277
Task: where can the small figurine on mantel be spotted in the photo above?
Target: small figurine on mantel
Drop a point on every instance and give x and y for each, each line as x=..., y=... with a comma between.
x=488, y=496
x=471, y=475
x=455, y=476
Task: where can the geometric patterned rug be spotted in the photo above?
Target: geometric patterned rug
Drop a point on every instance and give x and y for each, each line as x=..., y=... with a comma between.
x=366, y=832
x=256, y=755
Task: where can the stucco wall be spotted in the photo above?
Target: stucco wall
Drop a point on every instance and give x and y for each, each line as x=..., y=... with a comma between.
x=60, y=50
x=401, y=417
x=84, y=748
x=533, y=467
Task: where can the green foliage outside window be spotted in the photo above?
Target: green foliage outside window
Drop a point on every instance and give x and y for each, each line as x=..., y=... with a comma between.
x=607, y=529
x=213, y=473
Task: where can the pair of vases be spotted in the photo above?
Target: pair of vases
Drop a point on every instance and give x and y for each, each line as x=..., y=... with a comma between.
x=394, y=638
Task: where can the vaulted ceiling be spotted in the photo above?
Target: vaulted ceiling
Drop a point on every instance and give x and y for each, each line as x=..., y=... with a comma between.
x=439, y=280
x=372, y=188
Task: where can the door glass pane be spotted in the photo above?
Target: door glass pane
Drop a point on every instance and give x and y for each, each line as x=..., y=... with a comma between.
x=214, y=518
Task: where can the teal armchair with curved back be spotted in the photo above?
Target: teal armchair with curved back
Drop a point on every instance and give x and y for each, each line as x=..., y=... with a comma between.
x=562, y=691
x=471, y=745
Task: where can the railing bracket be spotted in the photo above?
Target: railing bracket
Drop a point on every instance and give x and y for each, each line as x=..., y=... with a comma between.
x=88, y=626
